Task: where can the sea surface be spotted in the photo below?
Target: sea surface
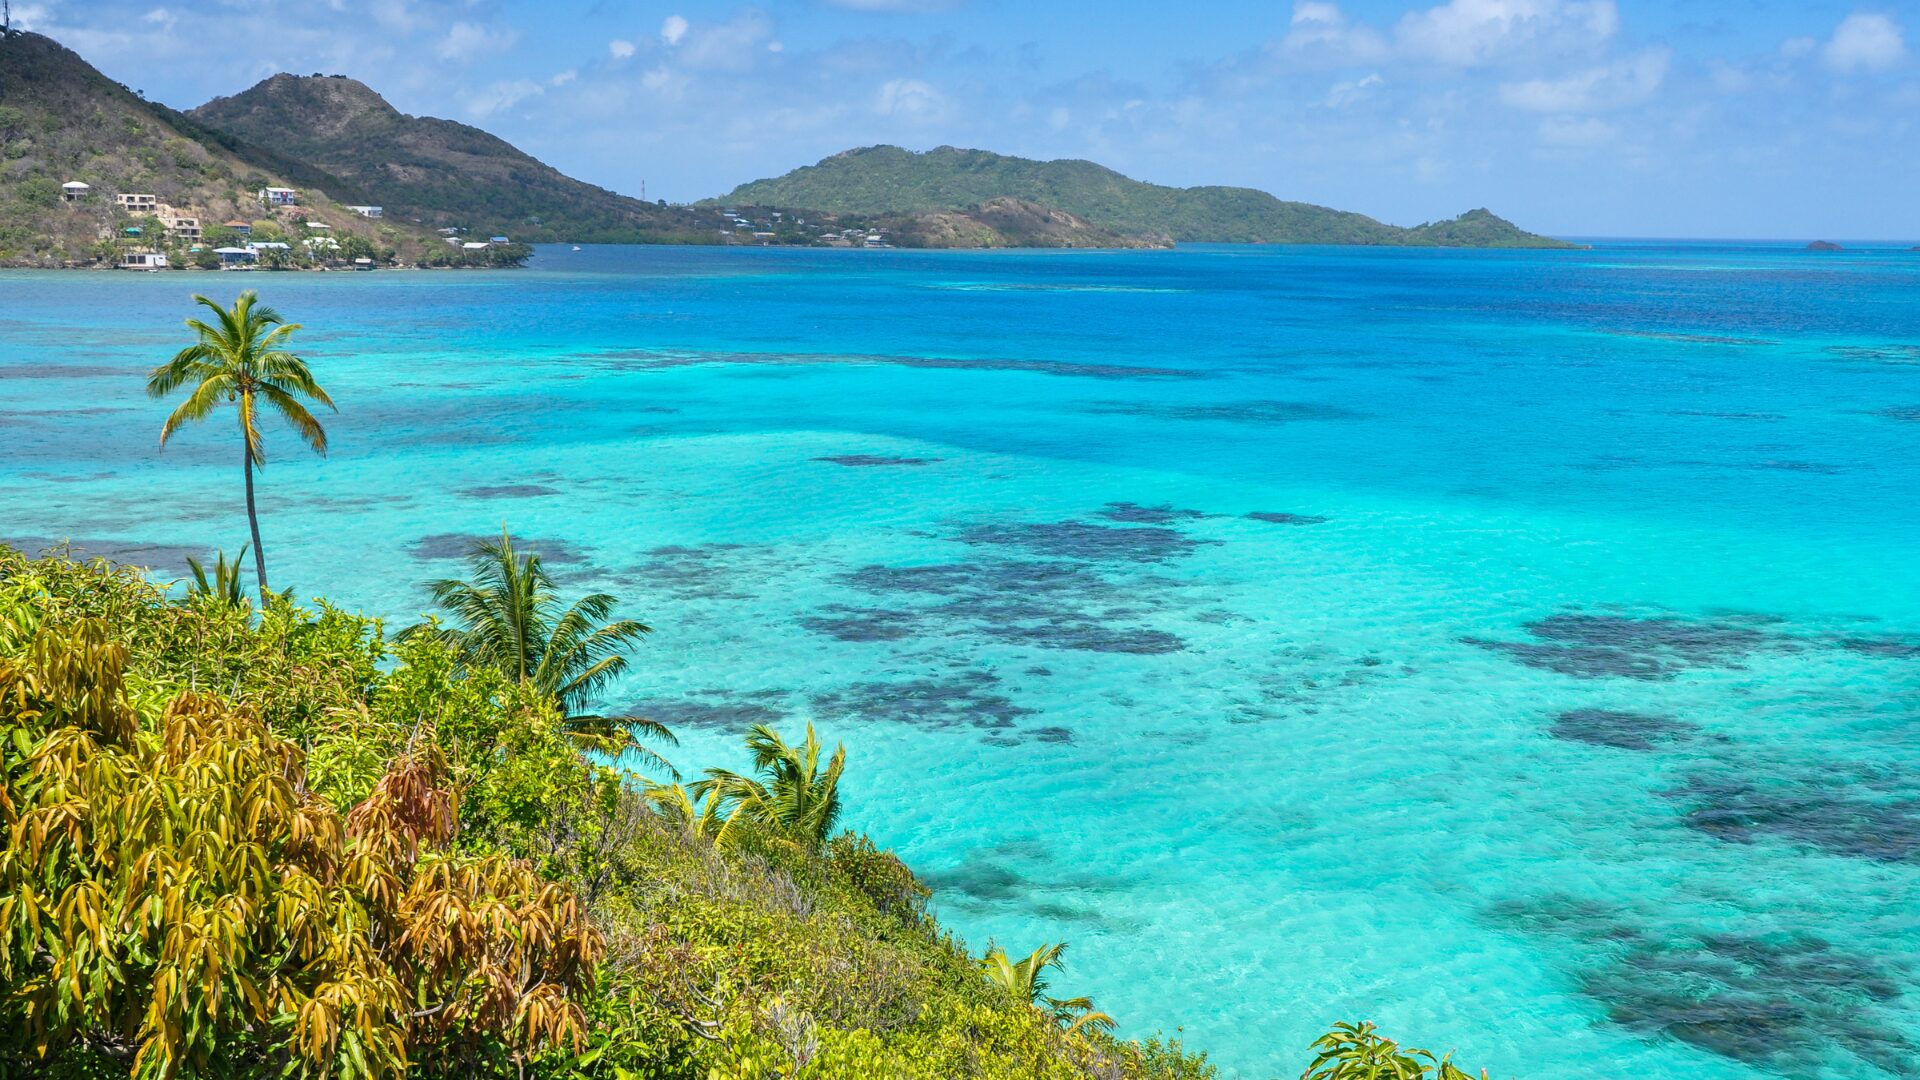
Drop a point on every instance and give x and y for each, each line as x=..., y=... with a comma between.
x=1517, y=649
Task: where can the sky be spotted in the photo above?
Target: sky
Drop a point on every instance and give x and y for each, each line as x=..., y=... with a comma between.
x=1682, y=118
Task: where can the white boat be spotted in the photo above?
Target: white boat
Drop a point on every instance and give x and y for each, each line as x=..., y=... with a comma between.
x=576, y=247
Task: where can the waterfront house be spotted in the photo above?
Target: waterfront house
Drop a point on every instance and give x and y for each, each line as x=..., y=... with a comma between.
x=74, y=191
x=267, y=245
x=368, y=211
x=237, y=256
x=475, y=245
x=363, y=263
x=498, y=240
x=137, y=203
x=143, y=260
x=280, y=196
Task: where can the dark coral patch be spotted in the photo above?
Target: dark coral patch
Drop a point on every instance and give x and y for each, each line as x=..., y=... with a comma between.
x=1791, y=1003
x=1603, y=646
x=968, y=699
x=1895, y=648
x=1085, y=541
x=1135, y=514
x=460, y=545
x=726, y=714
x=872, y=461
x=1621, y=730
x=146, y=554
x=694, y=572
x=846, y=623
x=1858, y=814
x=1281, y=518
x=509, y=491
x=1240, y=412
x=1044, y=603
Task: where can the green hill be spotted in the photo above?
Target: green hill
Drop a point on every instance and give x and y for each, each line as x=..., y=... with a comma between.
x=439, y=172
x=63, y=121
x=890, y=180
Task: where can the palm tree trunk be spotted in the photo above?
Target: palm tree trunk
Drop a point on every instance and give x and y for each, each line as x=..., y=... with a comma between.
x=253, y=522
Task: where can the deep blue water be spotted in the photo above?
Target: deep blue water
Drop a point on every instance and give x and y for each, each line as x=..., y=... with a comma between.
x=1516, y=649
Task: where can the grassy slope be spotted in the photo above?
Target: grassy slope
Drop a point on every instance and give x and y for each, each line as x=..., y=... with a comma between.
x=887, y=179
x=722, y=962
x=439, y=171
x=62, y=120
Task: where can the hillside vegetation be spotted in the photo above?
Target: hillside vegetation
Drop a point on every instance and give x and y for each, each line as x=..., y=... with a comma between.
x=441, y=172
x=61, y=120
x=890, y=180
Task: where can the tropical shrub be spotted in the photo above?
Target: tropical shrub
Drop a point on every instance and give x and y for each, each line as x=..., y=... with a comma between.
x=176, y=899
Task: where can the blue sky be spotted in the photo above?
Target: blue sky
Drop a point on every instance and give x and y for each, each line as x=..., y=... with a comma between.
x=1744, y=118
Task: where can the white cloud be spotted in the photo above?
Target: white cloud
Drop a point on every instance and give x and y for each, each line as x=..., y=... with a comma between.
x=1569, y=131
x=501, y=96
x=672, y=29
x=909, y=98
x=162, y=18
x=619, y=49
x=466, y=39
x=1460, y=33
x=1468, y=32
x=726, y=46
x=893, y=5
x=1322, y=30
x=1865, y=42
x=564, y=77
x=1346, y=93
x=1626, y=82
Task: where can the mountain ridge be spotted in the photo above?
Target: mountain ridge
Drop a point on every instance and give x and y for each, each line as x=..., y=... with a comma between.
x=887, y=179
x=62, y=120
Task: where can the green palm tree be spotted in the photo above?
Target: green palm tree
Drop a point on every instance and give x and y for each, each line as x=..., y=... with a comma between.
x=790, y=789
x=706, y=818
x=242, y=358
x=224, y=584
x=509, y=618
x=1026, y=980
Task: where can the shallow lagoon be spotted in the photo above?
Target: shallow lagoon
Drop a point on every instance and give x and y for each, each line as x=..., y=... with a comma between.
x=1517, y=649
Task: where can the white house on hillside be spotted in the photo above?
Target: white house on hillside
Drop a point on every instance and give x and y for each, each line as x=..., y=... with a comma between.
x=74, y=191
x=280, y=196
x=136, y=204
x=367, y=211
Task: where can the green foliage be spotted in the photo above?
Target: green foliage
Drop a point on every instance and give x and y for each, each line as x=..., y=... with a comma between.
x=510, y=620
x=1026, y=980
x=223, y=587
x=888, y=180
x=791, y=791
x=39, y=191
x=177, y=902
x=1358, y=1052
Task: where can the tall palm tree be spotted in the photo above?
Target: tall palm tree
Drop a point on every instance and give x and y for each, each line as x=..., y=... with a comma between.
x=509, y=618
x=242, y=358
x=1027, y=980
x=790, y=789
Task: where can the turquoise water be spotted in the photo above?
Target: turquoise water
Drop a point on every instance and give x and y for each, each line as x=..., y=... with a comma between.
x=1558, y=706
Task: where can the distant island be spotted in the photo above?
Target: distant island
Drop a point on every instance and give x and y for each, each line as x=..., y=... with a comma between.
x=883, y=180
x=321, y=172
